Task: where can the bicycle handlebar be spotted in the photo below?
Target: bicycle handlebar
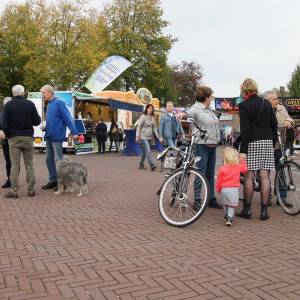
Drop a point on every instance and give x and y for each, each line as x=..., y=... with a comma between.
x=190, y=120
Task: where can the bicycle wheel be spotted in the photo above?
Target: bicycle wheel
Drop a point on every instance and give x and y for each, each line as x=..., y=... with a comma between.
x=183, y=197
x=287, y=181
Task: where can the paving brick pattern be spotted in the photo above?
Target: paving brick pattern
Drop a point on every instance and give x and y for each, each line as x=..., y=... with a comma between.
x=113, y=244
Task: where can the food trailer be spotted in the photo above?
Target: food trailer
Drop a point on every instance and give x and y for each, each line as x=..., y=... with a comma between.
x=86, y=111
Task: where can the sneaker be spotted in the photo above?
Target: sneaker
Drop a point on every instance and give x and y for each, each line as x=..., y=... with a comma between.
x=7, y=184
x=142, y=167
x=153, y=168
x=49, y=186
x=225, y=218
x=11, y=194
x=31, y=193
x=229, y=222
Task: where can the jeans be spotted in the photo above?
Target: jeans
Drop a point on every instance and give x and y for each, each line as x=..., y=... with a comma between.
x=206, y=165
x=146, y=153
x=21, y=145
x=171, y=142
x=54, y=153
x=277, y=156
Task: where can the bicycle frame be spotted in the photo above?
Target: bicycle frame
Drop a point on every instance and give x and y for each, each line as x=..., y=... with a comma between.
x=284, y=158
x=187, y=156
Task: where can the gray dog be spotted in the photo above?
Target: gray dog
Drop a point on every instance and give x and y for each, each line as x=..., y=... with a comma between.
x=71, y=173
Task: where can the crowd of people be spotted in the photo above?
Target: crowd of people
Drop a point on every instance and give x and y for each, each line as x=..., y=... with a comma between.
x=258, y=150
x=18, y=119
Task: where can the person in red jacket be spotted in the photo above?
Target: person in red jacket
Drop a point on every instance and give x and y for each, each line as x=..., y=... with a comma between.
x=228, y=182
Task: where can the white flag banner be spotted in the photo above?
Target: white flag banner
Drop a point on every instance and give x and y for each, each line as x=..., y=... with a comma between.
x=107, y=72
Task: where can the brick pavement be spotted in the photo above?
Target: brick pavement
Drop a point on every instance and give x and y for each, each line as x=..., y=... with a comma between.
x=112, y=244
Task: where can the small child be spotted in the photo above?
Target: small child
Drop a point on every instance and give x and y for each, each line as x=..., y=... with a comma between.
x=228, y=182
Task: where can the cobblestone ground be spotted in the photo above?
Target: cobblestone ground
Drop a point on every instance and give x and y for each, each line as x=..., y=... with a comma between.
x=113, y=244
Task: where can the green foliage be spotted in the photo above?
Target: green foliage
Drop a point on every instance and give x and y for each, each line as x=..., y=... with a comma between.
x=59, y=44
x=63, y=43
x=186, y=77
x=294, y=84
x=135, y=29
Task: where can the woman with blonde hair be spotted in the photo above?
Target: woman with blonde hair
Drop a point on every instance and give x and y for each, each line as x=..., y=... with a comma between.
x=228, y=182
x=258, y=135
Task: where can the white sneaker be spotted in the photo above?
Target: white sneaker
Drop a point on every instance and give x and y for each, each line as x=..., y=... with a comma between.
x=229, y=222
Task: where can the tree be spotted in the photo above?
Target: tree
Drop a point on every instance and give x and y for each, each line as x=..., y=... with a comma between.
x=19, y=28
x=294, y=84
x=186, y=77
x=77, y=42
x=135, y=29
x=59, y=44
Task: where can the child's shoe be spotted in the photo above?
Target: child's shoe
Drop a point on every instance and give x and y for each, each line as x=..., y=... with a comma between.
x=229, y=222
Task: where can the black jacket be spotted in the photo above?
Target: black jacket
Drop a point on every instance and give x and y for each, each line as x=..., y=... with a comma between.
x=257, y=122
x=1, y=119
x=20, y=115
x=101, y=129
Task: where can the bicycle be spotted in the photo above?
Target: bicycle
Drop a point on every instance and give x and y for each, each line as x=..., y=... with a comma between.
x=286, y=180
x=184, y=194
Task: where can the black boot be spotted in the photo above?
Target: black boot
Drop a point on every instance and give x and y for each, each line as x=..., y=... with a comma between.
x=264, y=212
x=7, y=184
x=245, y=213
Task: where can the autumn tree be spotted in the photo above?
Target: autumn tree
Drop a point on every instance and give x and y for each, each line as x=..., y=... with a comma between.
x=186, y=76
x=20, y=35
x=76, y=42
x=294, y=84
x=61, y=43
x=135, y=29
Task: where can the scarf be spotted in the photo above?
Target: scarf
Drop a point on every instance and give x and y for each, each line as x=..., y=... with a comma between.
x=246, y=97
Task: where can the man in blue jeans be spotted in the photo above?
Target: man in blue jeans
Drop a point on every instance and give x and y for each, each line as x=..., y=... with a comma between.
x=169, y=127
x=58, y=118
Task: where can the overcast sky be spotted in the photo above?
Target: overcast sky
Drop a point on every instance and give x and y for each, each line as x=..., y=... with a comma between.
x=234, y=39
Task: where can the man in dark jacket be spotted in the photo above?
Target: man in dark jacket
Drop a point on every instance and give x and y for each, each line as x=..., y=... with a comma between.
x=20, y=115
x=5, y=148
x=101, y=133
